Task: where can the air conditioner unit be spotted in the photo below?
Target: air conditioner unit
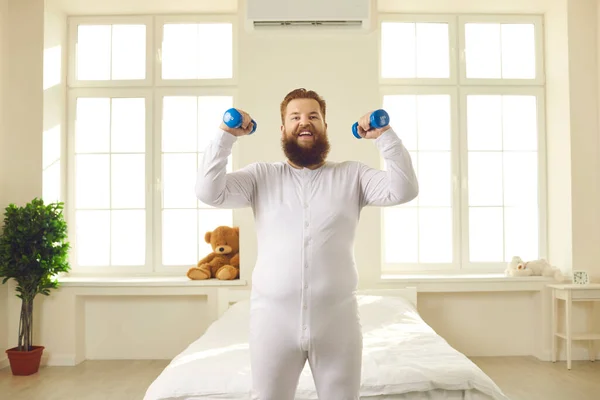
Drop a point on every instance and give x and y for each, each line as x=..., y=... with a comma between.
x=308, y=14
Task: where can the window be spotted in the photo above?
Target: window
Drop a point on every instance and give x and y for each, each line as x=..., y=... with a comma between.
x=136, y=138
x=465, y=94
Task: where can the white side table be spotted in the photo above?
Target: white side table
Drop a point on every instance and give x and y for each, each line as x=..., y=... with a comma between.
x=571, y=293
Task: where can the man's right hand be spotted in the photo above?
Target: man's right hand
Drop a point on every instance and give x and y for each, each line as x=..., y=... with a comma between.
x=246, y=127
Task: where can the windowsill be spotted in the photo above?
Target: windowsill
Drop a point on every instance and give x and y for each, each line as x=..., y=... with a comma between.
x=468, y=282
x=143, y=281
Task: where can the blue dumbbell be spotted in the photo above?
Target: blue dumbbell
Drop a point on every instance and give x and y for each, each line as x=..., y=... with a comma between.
x=378, y=119
x=233, y=119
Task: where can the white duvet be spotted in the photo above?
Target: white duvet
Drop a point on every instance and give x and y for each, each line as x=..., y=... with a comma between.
x=402, y=358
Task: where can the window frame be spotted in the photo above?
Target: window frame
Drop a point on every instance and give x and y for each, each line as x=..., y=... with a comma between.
x=160, y=20
x=538, y=24
x=70, y=205
x=417, y=18
x=74, y=22
x=459, y=87
x=541, y=169
x=455, y=174
x=157, y=191
x=153, y=89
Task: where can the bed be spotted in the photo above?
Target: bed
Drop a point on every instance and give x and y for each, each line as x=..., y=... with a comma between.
x=403, y=357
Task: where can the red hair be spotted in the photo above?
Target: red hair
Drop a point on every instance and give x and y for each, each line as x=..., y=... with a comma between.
x=302, y=94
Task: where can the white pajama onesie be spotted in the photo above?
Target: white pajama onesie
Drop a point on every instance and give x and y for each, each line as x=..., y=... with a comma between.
x=303, y=304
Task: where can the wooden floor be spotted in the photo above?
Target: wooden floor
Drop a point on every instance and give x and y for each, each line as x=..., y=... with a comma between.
x=521, y=378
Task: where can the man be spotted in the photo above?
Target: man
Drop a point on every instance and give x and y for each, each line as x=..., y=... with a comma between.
x=303, y=304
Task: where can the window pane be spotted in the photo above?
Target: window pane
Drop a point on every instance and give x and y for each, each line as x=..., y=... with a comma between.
x=197, y=51
x=414, y=50
x=92, y=181
x=435, y=179
x=93, y=52
x=208, y=221
x=128, y=237
x=92, y=125
x=486, y=234
x=180, y=237
x=128, y=181
x=179, y=178
x=210, y=116
x=521, y=233
x=484, y=122
x=497, y=51
x=215, y=46
x=403, y=117
x=434, y=122
x=93, y=238
x=179, y=51
x=482, y=48
x=433, y=53
x=128, y=125
x=398, y=50
x=435, y=235
x=520, y=179
x=179, y=124
x=485, y=179
x=519, y=122
x=128, y=52
x=518, y=51
x=401, y=228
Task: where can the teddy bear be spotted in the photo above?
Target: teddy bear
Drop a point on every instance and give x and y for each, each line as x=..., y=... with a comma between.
x=224, y=261
x=541, y=267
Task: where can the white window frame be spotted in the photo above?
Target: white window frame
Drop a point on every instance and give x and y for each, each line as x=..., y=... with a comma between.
x=153, y=89
x=157, y=193
x=536, y=20
x=458, y=87
x=194, y=19
x=455, y=176
x=108, y=20
x=416, y=18
x=541, y=165
x=74, y=94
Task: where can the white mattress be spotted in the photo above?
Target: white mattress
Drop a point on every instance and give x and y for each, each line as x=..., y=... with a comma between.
x=402, y=358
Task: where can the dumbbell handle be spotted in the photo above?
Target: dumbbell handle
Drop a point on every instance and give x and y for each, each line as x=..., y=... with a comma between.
x=378, y=119
x=233, y=119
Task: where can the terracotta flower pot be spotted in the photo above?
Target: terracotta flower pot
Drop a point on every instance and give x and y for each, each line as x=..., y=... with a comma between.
x=25, y=362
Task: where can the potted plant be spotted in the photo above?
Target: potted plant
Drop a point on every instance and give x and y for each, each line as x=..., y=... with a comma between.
x=33, y=249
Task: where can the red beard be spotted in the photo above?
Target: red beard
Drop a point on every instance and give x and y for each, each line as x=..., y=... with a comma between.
x=305, y=156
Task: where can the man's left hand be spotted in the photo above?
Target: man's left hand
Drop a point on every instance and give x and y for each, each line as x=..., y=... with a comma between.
x=364, y=128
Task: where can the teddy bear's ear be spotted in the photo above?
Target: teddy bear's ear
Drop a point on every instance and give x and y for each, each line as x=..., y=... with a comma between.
x=207, y=237
x=236, y=230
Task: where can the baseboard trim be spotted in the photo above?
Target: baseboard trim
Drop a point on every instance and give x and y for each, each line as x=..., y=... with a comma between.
x=578, y=354
x=58, y=360
x=4, y=363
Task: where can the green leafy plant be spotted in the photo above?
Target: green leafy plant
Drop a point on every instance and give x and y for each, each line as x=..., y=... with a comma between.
x=33, y=250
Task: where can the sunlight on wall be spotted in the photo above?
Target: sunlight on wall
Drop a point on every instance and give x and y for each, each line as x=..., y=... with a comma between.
x=51, y=165
x=52, y=66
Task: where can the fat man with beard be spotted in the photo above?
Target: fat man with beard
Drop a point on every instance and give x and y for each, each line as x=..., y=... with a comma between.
x=306, y=210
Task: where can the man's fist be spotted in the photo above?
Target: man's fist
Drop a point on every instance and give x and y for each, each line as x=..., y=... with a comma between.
x=366, y=131
x=244, y=129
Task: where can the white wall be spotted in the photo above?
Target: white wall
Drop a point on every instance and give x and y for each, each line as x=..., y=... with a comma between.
x=3, y=167
x=22, y=123
x=145, y=326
